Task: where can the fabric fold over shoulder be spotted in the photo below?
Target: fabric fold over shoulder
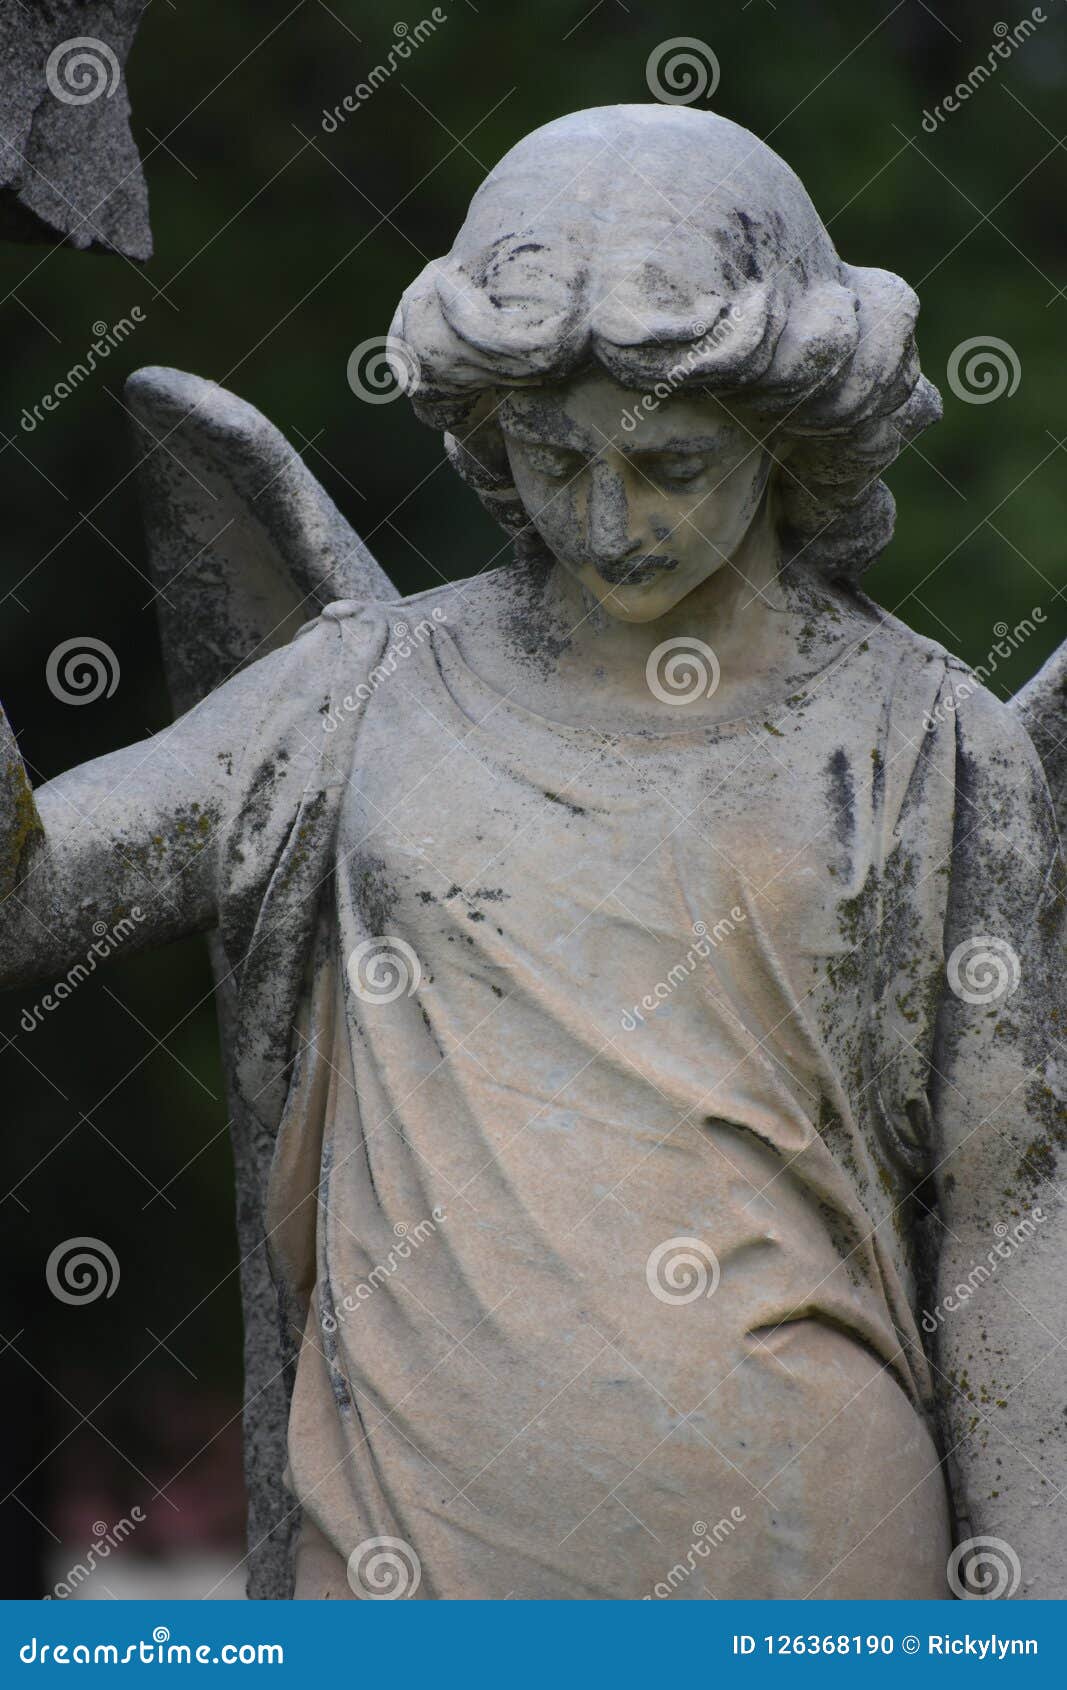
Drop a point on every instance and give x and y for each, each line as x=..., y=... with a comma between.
x=277, y=853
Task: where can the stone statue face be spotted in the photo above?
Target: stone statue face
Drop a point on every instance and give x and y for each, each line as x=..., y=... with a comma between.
x=641, y=500
x=708, y=270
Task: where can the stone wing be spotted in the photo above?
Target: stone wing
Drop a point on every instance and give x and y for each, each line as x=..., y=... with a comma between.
x=244, y=546
x=1042, y=704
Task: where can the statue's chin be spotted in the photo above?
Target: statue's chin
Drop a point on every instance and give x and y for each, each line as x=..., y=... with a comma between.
x=644, y=601
x=622, y=606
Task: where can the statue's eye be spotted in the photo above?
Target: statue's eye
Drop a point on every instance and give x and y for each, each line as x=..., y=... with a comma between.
x=674, y=469
x=554, y=461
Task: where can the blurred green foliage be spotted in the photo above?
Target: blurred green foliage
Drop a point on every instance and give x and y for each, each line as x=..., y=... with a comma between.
x=279, y=247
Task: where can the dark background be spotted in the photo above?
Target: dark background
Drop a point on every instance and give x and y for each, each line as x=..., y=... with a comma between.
x=280, y=247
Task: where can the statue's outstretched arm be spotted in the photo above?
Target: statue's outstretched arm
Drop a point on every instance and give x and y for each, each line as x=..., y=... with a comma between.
x=123, y=849
x=1000, y=1320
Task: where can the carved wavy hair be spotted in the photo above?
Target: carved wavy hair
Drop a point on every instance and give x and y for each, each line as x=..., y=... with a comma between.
x=675, y=250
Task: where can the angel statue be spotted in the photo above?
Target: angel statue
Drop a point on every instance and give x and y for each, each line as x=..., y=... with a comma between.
x=640, y=964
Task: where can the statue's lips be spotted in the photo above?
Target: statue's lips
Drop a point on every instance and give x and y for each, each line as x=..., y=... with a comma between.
x=632, y=571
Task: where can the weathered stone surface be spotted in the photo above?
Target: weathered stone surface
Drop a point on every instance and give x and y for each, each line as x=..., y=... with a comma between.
x=69, y=168
x=642, y=968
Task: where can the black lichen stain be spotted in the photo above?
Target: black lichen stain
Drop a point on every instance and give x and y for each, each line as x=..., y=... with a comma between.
x=376, y=895
x=746, y=248
x=564, y=803
x=877, y=778
x=841, y=791
x=536, y=636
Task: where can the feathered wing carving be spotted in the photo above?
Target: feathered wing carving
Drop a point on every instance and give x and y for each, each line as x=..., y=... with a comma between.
x=244, y=547
x=1042, y=704
x=243, y=543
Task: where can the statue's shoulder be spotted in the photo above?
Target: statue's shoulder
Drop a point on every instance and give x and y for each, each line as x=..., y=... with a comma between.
x=455, y=604
x=988, y=727
x=344, y=619
x=901, y=642
x=275, y=700
x=955, y=695
x=470, y=604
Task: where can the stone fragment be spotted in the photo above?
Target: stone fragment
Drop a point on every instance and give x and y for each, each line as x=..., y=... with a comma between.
x=70, y=172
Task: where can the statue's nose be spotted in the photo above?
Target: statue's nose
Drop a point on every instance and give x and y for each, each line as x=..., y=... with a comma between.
x=608, y=536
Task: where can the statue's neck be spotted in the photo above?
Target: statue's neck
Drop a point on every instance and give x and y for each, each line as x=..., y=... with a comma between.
x=536, y=636
x=738, y=611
